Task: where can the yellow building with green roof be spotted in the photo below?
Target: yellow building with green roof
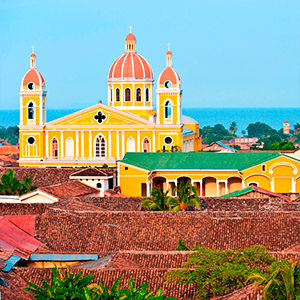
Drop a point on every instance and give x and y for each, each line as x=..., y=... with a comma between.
x=213, y=174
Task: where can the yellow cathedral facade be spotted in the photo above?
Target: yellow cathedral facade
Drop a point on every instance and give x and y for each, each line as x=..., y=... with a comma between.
x=103, y=134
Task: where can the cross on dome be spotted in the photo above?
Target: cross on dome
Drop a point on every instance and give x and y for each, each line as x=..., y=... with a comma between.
x=169, y=44
x=130, y=27
x=32, y=47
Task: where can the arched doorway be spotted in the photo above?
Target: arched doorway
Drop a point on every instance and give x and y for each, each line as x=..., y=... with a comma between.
x=184, y=180
x=209, y=187
x=131, y=145
x=234, y=184
x=54, y=146
x=70, y=147
x=160, y=182
x=146, y=145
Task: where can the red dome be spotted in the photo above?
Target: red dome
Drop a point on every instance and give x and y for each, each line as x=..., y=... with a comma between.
x=33, y=75
x=130, y=37
x=169, y=53
x=32, y=55
x=169, y=74
x=130, y=65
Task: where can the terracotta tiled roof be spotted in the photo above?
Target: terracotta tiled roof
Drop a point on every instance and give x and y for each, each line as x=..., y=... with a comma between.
x=94, y=172
x=42, y=176
x=68, y=190
x=9, y=149
x=155, y=278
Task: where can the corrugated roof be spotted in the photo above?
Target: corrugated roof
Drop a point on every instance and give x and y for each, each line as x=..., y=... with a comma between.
x=197, y=160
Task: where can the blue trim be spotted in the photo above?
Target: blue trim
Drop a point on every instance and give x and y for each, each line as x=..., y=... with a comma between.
x=10, y=262
x=225, y=146
x=61, y=257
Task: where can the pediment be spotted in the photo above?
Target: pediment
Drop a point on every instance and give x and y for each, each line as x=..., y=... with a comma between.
x=101, y=115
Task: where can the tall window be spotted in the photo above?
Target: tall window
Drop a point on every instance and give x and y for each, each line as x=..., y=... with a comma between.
x=127, y=95
x=146, y=145
x=54, y=148
x=30, y=111
x=130, y=145
x=147, y=95
x=100, y=146
x=111, y=97
x=168, y=110
x=138, y=95
x=117, y=95
x=70, y=147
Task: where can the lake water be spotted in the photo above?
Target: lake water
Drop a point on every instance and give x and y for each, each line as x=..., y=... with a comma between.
x=205, y=116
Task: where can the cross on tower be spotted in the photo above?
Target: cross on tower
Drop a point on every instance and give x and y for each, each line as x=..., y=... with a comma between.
x=169, y=44
x=100, y=117
x=130, y=28
x=32, y=47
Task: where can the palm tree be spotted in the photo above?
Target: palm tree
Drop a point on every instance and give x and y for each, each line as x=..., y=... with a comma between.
x=187, y=195
x=283, y=282
x=160, y=200
x=233, y=128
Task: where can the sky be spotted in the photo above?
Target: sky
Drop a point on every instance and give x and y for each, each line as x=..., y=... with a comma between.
x=241, y=53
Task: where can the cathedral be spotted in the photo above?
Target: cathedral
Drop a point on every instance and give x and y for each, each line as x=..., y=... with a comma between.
x=102, y=134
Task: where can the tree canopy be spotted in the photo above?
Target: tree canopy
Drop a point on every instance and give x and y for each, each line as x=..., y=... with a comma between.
x=10, y=135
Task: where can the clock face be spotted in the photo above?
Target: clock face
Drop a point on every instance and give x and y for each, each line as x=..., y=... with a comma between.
x=30, y=85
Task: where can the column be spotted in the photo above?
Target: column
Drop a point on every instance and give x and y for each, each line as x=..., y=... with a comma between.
x=153, y=142
x=77, y=143
x=148, y=188
x=47, y=143
x=61, y=144
x=272, y=186
x=122, y=94
x=157, y=109
x=21, y=110
x=293, y=186
x=133, y=95
x=118, y=144
x=109, y=143
x=167, y=185
x=226, y=186
x=41, y=110
x=82, y=143
x=138, y=141
x=123, y=143
x=108, y=94
x=201, y=188
x=144, y=94
x=218, y=187
x=90, y=144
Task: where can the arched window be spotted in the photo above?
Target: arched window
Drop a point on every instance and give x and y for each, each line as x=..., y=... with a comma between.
x=130, y=145
x=127, y=95
x=30, y=111
x=70, y=147
x=138, y=95
x=146, y=145
x=147, y=95
x=117, y=95
x=100, y=147
x=54, y=148
x=99, y=185
x=168, y=110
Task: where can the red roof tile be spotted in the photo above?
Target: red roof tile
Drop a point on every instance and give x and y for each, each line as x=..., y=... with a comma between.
x=94, y=172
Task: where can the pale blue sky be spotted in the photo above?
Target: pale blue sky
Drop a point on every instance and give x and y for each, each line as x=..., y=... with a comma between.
x=228, y=53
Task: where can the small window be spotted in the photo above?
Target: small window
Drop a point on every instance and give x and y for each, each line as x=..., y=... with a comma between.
x=138, y=95
x=117, y=95
x=147, y=95
x=99, y=185
x=30, y=85
x=86, y=180
x=168, y=110
x=168, y=140
x=31, y=140
x=168, y=84
x=144, y=189
x=126, y=168
x=263, y=168
x=127, y=95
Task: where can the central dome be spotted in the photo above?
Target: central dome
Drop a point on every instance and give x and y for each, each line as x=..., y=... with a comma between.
x=130, y=65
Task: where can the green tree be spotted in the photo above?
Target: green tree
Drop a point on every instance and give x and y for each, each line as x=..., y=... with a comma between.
x=187, y=195
x=215, y=273
x=273, y=139
x=260, y=130
x=10, y=135
x=160, y=201
x=10, y=185
x=282, y=283
x=62, y=285
x=237, y=147
x=296, y=129
x=232, y=128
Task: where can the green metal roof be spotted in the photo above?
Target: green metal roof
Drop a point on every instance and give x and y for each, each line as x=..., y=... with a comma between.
x=197, y=160
x=239, y=192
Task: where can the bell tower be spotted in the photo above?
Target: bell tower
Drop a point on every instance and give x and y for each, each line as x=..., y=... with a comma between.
x=169, y=94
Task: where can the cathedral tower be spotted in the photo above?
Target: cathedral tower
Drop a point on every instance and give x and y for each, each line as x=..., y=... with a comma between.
x=130, y=82
x=168, y=95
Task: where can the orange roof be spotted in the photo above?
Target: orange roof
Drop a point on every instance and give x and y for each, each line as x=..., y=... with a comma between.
x=33, y=75
x=130, y=65
x=169, y=53
x=286, y=122
x=7, y=150
x=130, y=37
x=169, y=74
x=33, y=55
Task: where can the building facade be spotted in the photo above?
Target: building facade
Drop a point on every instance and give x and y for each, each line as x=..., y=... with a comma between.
x=102, y=134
